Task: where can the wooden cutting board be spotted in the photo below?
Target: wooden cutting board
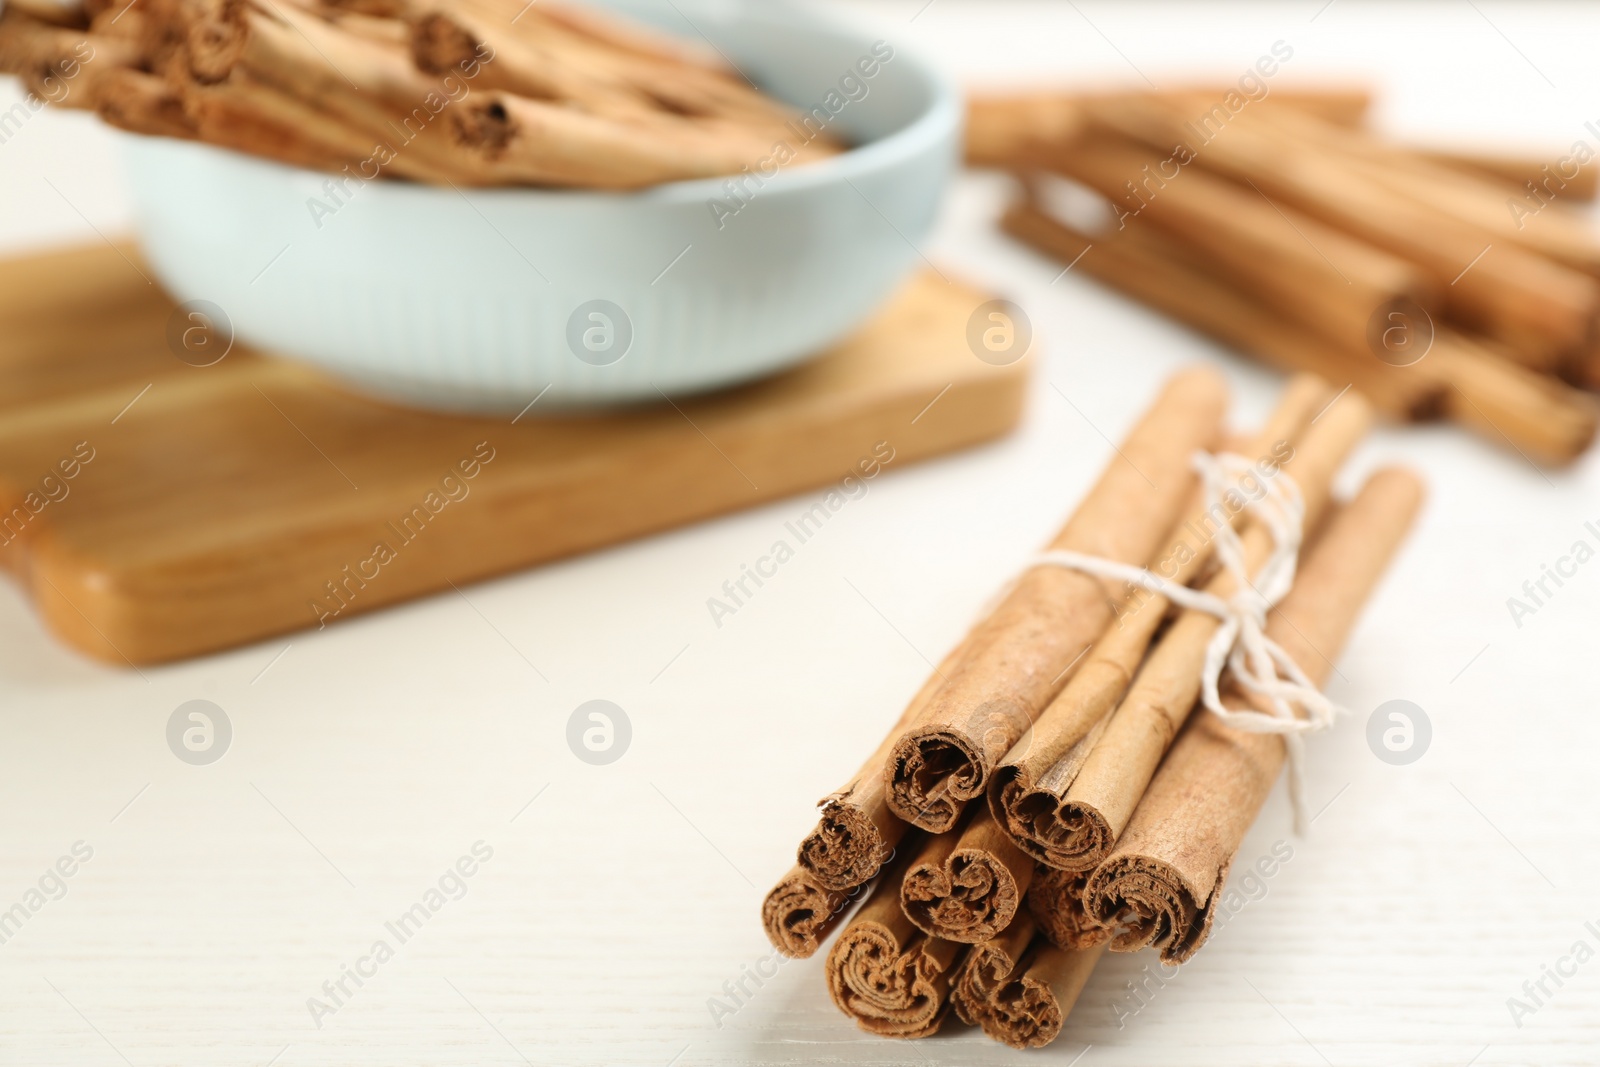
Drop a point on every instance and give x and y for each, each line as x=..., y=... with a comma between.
x=156, y=510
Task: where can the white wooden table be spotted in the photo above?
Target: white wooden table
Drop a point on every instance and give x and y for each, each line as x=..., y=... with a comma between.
x=367, y=759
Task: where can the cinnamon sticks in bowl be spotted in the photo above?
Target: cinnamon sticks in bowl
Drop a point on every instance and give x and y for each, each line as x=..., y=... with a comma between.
x=474, y=235
x=1127, y=780
x=483, y=92
x=1291, y=232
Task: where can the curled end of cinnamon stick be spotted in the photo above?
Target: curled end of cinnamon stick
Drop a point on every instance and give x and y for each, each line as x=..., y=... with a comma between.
x=888, y=988
x=1147, y=905
x=483, y=125
x=1055, y=903
x=798, y=913
x=216, y=41
x=930, y=777
x=1065, y=835
x=969, y=898
x=440, y=44
x=845, y=850
x=1023, y=1013
x=143, y=103
x=1029, y=1009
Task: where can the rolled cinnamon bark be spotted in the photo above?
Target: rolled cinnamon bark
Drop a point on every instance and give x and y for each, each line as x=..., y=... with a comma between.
x=393, y=32
x=1159, y=271
x=1466, y=379
x=1029, y=789
x=856, y=833
x=1473, y=200
x=1552, y=231
x=1020, y=988
x=1520, y=170
x=1030, y=129
x=1055, y=904
x=354, y=93
x=383, y=9
x=887, y=975
x=125, y=20
x=140, y=102
x=631, y=38
x=250, y=115
x=967, y=888
x=34, y=49
x=1015, y=660
x=441, y=40
x=1159, y=884
x=988, y=964
x=71, y=16
x=599, y=29
x=1101, y=799
x=798, y=914
x=544, y=59
x=518, y=140
x=1304, y=269
x=1541, y=417
x=1546, y=310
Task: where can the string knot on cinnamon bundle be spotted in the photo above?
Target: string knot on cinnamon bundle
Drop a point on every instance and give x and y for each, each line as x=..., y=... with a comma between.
x=1289, y=704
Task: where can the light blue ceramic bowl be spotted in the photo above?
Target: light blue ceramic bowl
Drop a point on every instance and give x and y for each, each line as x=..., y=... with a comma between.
x=485, y=298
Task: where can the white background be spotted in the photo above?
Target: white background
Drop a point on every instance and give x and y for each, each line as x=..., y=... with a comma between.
x=367, y=758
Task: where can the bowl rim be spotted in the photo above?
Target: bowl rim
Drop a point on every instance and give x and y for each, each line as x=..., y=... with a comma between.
x=940, y=119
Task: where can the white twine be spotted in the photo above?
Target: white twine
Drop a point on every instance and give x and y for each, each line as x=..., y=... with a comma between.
x=1240, y=644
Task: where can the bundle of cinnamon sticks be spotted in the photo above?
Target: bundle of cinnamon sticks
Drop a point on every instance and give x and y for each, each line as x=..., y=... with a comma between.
x=470, y=92
x=1053, y=789
x=1437, y=284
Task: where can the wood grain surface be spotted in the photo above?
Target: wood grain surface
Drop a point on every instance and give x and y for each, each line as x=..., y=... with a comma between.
x=208, y=506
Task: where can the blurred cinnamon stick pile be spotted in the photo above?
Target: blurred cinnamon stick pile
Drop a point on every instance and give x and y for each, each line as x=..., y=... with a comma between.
x=474, y=92
x=1462, y=286
x=1055, y=788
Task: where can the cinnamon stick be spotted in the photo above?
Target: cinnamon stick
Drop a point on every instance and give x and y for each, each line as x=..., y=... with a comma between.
x=140, y=102
x=1542, y=308
x=1029, y=128
x=1029, y=789
x=798, y=914
x=1304, y=269
x=887, y=975
x=32, y=48
x=1546, y=174
x=1466, y=379
x=125, y=20
x=1549, y=230
x=363, y=86
x=630, y=38
x=385, y=30
x=1473, y=200
x=967, y=888
x=544, y=58
x=1100, y=800
x=602, y=30
x=1020, y=988
x=1160, y=883
x=252, y=115
x=1055, y=904
x=441, y=39
x=1541, y=417
x=1158, y=271
x=517, y=140
x=988, y=964
x=66, y=15
x=1017, y=658
x=857, y=833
